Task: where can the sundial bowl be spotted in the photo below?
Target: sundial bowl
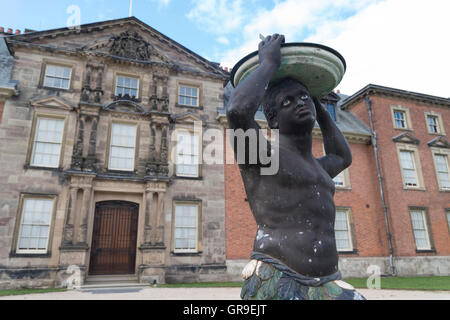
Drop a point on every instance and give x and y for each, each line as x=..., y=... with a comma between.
x=318, y=67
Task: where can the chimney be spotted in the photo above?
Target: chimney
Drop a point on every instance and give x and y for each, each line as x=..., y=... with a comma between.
x=17, y=31
x=9, y=31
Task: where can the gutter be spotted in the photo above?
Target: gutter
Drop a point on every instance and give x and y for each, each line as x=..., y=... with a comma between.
x=368, y=103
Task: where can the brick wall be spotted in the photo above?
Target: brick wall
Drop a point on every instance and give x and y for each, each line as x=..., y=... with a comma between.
x=363, y=198
x=398, y=199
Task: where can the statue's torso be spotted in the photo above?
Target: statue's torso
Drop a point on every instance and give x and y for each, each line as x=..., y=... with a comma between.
x=295, y=213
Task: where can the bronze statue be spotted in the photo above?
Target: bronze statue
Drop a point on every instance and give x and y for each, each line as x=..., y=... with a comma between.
x=294, y=254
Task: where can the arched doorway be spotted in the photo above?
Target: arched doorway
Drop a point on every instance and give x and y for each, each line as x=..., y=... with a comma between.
x=114, y=237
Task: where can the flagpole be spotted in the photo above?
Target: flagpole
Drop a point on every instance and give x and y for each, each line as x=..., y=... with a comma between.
x=131, y=8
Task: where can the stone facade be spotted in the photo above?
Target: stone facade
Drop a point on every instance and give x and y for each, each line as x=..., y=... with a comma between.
x=96, y=54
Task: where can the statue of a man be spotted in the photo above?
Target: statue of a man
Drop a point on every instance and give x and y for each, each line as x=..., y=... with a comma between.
x=294, y=254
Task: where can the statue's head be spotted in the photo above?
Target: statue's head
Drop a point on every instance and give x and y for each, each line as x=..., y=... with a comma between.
x=289, y=107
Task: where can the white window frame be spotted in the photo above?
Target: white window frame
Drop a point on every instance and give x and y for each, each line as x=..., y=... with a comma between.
x=425, y=228
x=62, y=78
x=35, y=142
x=111, y=145
x=186, y=96
x=129, y=88
x=414, y=169
x=436, y=124
x=193, y=136
x=49, y=225
x=447, y=162
x=406, y=117
x=349, y=230
x=177, y=226
x=439, y=123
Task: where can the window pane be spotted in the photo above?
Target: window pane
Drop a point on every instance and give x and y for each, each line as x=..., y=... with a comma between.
x=342, y=233
x=331, y=110
x=186, y=227
x=339, y=179
x=35, y=224
x=419, y=229
x=122, y=150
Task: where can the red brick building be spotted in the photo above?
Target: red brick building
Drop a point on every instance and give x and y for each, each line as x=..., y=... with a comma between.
x=394, y=214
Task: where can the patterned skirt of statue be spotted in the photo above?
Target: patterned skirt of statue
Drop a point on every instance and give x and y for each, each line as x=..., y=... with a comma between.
x=268, y=279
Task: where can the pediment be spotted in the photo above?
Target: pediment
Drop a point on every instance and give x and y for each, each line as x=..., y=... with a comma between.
x=439, y=142
x=52, y=102
x=129, y=44
x=406, y=137
x=123, y=39
x=189, y=119
x=125, y=106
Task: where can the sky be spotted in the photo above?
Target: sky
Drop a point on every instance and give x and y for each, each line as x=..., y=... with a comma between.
x=402, y=44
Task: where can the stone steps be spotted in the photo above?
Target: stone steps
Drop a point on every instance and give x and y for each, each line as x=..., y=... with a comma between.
x=112, y=281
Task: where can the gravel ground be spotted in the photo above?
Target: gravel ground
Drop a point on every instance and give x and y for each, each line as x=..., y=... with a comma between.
x=207, y=294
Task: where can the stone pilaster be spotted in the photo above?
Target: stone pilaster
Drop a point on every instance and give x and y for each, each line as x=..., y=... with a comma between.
x=84, y=216
x=69, y=227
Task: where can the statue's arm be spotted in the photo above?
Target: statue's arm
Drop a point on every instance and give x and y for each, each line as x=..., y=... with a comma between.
x=248, y=95
x=338, y=155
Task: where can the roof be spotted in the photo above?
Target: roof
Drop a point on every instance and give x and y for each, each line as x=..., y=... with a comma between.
x=6, y=65
x=350, y=101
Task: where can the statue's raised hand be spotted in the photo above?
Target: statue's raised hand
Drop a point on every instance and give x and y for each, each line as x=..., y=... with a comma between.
x=269, y=50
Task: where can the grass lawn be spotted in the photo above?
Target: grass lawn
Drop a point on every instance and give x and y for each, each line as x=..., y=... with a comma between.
x=405, y=283
x=401, y=283
x=15, y=292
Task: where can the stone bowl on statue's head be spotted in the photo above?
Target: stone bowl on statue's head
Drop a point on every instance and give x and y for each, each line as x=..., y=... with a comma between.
x=316, y=66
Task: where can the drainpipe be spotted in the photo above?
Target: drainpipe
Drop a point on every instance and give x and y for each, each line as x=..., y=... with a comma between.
x=368, y=103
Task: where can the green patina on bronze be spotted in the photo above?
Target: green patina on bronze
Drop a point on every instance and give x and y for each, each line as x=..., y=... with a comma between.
x=271, y=284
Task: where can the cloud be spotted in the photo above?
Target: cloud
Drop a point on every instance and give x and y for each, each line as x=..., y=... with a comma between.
x=223, y=40
x=295, y=19
x=396, y=43
x=217, y=16
x=162, y=3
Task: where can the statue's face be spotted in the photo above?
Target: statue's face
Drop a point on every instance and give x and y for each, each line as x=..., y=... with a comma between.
x=296, y=109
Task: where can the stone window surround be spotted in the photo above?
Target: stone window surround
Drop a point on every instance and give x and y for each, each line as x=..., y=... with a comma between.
x=351, y=230
x=427, y=228
x=199, y=249
x=441, y=151
x=405, y=110
x=108, y=143
x=18, y=224
x=418, y=167
x=440, y=123
x=39, y=114
x=129, y=75
x=193, y=84
x=59, y=63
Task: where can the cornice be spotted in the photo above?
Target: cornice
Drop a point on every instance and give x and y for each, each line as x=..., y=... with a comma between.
x=372, y=89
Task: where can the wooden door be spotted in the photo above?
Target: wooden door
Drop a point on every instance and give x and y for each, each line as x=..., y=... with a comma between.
x=113, y=249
